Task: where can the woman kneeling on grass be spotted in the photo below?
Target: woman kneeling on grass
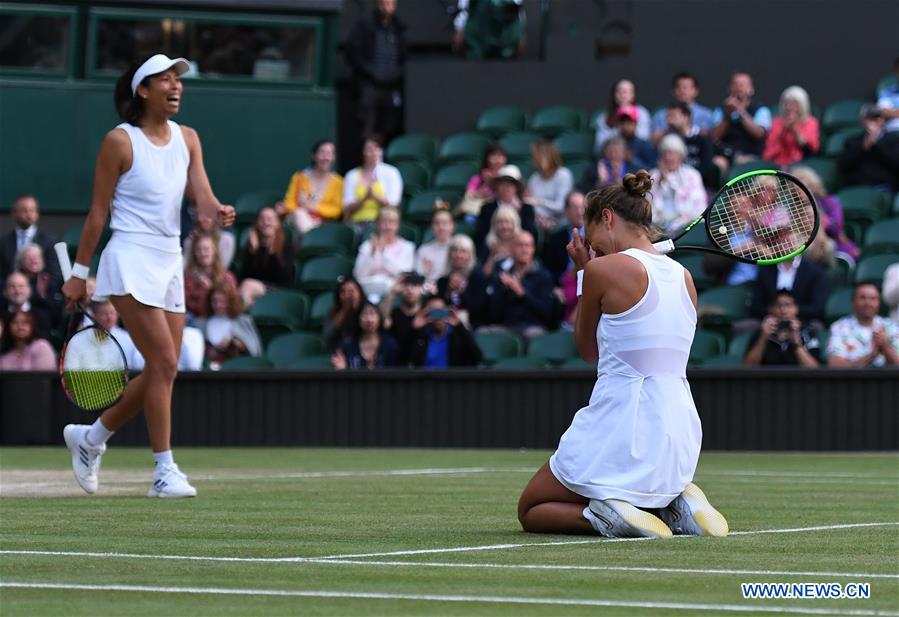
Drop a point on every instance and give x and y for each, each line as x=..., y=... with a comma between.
x=624, y=467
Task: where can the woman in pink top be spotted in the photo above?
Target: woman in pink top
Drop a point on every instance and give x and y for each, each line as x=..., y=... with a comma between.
x=21, y=351
x=794, y=133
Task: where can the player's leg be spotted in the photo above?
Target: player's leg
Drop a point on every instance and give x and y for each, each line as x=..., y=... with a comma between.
x=547, y=506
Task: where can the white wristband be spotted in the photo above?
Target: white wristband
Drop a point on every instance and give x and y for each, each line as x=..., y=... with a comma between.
x=80, y=271
x=580, y=283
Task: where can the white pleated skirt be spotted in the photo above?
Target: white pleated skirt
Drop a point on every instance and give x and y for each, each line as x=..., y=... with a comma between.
x=144, y=266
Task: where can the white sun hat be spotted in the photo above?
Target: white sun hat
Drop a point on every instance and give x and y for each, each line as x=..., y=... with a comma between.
x=157, y=64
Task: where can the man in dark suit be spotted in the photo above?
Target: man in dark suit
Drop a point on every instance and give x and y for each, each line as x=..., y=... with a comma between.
x=805, y=280
x=555, y=256
x=17, y=297
x=25, y=214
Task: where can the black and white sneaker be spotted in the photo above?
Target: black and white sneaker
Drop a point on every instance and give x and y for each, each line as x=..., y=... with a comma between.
x=169, y=482
x=85, y=457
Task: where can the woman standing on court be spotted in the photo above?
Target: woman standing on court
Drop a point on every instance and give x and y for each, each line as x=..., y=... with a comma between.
x=632, y=451
x=143, y=168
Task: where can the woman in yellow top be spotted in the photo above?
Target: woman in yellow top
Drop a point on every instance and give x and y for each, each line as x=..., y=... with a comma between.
x=315, y=195
x=370, y=187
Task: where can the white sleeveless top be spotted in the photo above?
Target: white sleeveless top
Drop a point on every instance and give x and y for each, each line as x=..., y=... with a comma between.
x=639, y=437
x=147, y=198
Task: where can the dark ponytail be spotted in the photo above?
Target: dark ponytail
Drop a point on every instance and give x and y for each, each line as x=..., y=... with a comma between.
x=128, y=105
x=627, y=200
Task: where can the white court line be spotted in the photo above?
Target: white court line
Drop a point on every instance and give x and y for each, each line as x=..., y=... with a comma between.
x=366, y=595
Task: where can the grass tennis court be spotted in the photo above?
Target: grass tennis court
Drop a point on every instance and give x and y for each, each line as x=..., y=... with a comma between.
x=412, y=532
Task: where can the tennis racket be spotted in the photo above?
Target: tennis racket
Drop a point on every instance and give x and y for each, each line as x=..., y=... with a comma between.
x=761, y=217
x=92, y=366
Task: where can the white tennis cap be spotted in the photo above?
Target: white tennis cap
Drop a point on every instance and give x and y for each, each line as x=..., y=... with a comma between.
x=157, y=64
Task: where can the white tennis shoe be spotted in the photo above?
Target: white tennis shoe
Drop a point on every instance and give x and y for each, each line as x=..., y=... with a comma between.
x=620, y=519
x=169, y=482
x=85, y=457
x=691, y=514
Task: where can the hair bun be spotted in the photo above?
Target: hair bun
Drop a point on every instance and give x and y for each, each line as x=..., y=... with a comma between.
x=637, y=184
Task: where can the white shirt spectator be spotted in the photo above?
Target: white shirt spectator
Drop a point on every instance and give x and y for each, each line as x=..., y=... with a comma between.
x=786, y=272
x=551, y=193
x=888, y=98
x=193, y=349
x=389, y=177
x=377, y=270
x=431, y=260
x=851, y=340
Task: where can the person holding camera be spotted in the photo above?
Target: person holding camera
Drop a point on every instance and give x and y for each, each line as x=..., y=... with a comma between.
x=398, y=318
x=783, y=340
x=871, y=158
x=740, y=125
x=441, y=339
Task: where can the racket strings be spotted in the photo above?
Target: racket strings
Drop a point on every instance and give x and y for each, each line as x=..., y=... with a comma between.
x=93, y=369
x=762, y=217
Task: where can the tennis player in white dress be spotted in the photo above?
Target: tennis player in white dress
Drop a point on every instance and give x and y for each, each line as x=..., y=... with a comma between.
x=625, y=466
x=144, y=167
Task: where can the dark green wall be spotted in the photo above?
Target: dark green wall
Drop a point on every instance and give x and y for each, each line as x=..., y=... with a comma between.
x=50, y=132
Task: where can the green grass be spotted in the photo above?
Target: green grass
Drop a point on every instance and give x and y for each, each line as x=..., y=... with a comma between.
x=250, y=507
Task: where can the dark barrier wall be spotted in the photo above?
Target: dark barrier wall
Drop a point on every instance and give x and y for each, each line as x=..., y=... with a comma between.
x=740, y=410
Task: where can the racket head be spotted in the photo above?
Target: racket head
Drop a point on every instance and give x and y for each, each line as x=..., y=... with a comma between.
x=92, y=369
x=762, y=217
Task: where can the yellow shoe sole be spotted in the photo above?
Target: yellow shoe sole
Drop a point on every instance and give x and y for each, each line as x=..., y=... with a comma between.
x=710, y=521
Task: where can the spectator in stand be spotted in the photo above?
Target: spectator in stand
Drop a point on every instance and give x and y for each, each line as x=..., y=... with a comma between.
x=431, y=257
x=548, y=186
x=441, y=338
x=740, y=125
x=343, y=317
x=228, y=332
x=493, y=30
x=203, y=272
x=806, y=281
x=794, y=133
x=830, y=210
x=25, y=214
x=398, y=317
x=699, y=147
x=383, y=257
x=315, y=194
x=678, y=195
x=462, y=275
x=864, y=338
x=370, y=348
x=371, y=187
x=497, y=247
x=641, y=154
x=555, y=256
x=45, y=287
x=519, y=294
x=21, y=349
x=105, y=314
x=891, y=290
x=223, y=238
x=480, y=188
x=685, y=90
x=507, y=185
x=623, y=93
x=17, y=298
x=266, y=260
x=888, y=102
x=609, y=169
x=376, y=51
x=783, y=340
x=873, y=157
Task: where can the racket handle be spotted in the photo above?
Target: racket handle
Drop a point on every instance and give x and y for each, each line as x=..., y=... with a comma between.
x=664, y=247
x=65, y=264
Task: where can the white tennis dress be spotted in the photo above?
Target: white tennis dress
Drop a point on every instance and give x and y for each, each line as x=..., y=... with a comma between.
x=143, y=257
x=639, y=437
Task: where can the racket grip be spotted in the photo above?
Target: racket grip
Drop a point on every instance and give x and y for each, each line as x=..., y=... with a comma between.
x=65, y=264
x=664, y=247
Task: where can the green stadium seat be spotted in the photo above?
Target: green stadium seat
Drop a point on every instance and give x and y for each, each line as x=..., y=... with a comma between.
x=595, y=118
x=416, y=176
x=518, y=145
x=455, y=177
x=577, y=169
x=311, y=363
x=554, y=348
x=552, y=121
x=841, y=273
x=705, y=345
x=497, y=345
x=526, y=167
x=279, y=312
x=249, y=204
x=841, y=114
x=577, y=364
x=497, y=121
x=410, y=232
x=882, y=237
x=412, y=147
x=246, y=363
x=463, y=147
x=723, y=305
x=864, y=197
x=321, y=306
x=287, y=348
x=740, y=344
x=839, y=304
x=895, y=209
x=328, y=239
x=693, y=263
x=833, y=147
x=324, y=273
x=521, y=363
x=871, y=269
x=420, y=208
x=827, y=169
x=738, y=170
x=575, y=146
